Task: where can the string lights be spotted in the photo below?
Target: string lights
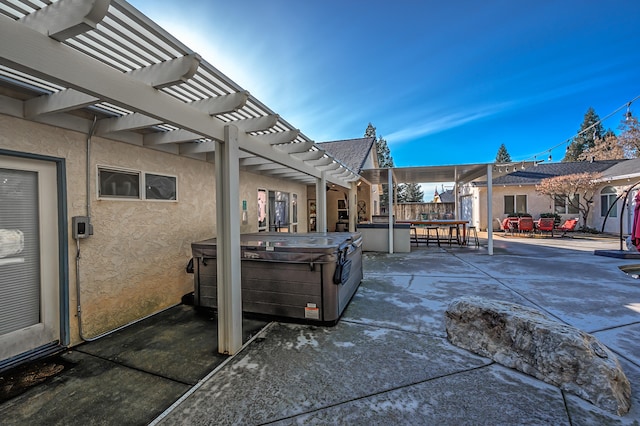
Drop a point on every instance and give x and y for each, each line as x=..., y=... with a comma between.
x=627, y=116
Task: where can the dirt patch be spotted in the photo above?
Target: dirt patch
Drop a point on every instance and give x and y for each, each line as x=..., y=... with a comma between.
x=20, y=379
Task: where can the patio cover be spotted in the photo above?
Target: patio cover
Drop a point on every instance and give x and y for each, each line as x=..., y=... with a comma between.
x=102, y=65
x=458, y=174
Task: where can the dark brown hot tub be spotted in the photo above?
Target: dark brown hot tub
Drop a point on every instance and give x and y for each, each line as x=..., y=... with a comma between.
x=289, y=276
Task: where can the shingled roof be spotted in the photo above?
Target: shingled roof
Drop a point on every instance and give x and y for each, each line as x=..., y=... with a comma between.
x=628, y=168
x=351, y=152
x=534, y=174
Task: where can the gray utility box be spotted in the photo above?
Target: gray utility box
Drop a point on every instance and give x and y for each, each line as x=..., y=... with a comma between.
x=290, y=276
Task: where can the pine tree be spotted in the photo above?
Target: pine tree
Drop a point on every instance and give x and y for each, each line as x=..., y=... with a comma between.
x=503, y=156
x=413, y=193
x=585, y=139
x=384, y=161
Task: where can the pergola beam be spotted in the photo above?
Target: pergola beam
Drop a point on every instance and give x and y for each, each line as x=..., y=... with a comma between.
x=62, y=101
x=222, y=104
x=296, y=147
x=197, y=147
x=127, y=122
x=174, y=136
x=310, y=155
x=67, y=18
x=258, y=124
x=253, y=161
x=279, y=137
x=168, y=73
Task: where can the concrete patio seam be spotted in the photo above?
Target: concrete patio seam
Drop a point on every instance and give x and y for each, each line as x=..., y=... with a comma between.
x=206, y=378
x=131, y=367
x=382, y=392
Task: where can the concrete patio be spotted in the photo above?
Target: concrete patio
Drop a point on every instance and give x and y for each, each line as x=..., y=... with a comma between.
x=388, y=360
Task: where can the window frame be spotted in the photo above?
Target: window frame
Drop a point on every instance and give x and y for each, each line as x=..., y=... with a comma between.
x=142, y=185
x=607, y=199
x=516, y=201
x=561, y=205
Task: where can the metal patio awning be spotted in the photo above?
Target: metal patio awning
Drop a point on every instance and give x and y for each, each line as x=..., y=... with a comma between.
x=459, y=173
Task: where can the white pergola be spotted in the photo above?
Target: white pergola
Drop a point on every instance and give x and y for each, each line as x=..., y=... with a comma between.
x=458, y=174
x=67, y=63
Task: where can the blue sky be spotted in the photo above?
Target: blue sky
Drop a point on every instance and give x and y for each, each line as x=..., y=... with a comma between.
x=444, y=82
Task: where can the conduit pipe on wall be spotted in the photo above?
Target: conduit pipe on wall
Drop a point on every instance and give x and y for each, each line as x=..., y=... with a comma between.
x=78, y=288
x=88, y=207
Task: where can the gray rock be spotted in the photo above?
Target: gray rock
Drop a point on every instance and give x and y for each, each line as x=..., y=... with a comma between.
x=529, y=341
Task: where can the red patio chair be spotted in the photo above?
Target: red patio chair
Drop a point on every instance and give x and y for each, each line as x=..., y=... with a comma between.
x=546, y=224
x=506, y=225
x=525, y=224
x=569, y=225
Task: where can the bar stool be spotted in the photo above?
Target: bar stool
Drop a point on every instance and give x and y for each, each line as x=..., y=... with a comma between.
x=428, y=236
x=414, y=235
x=475, y=235
x=453, y=228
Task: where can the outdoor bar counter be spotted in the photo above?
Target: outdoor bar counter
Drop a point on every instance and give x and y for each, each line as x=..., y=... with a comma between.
x=287, y=275
x=375, y=237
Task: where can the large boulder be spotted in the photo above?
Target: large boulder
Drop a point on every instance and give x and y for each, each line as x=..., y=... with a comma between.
x=529, y=341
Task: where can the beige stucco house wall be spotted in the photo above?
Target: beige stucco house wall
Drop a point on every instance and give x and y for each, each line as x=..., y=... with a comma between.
x=538, y=203
x=134, y=264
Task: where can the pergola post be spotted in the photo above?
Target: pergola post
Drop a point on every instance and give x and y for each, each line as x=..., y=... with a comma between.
x=490, y=208
x=321, y=203
x=353, y=206
x=228, y=242
x=390, y=205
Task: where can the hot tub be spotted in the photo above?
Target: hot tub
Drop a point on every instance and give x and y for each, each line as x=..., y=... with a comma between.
x=288, y=276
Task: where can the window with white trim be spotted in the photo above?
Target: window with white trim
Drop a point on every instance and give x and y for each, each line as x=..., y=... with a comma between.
x=515, y=204
x=608, y=197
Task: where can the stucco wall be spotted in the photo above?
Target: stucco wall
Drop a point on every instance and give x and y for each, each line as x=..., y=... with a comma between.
x=134, y=264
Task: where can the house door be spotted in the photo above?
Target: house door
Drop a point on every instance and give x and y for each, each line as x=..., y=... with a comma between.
x=29, y=260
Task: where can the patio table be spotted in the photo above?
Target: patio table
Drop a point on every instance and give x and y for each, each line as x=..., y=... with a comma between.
x=442, y=222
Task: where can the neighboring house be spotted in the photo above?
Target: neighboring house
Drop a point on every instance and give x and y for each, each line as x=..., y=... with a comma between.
x=446, y=196
x=357, y=154
x=516, y=193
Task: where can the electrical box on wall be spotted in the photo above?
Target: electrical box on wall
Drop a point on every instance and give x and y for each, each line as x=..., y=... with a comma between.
x=81, y=227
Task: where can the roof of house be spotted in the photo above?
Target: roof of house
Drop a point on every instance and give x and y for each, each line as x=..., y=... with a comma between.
x=447, y=196
x=628, y=168
x=534, y=174
x=351, y=152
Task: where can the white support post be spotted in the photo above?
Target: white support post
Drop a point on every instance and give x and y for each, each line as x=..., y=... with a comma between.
x=228, y=242
x=321, y=203
x=490, y=208
x=390, y=207
x=353, y=206
x=456, y=201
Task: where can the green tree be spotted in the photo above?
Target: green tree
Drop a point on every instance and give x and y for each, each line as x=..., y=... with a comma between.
x=630, y=136
x=413, y=193
x=385, y=160
x=503, y=155
x=590, y=130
